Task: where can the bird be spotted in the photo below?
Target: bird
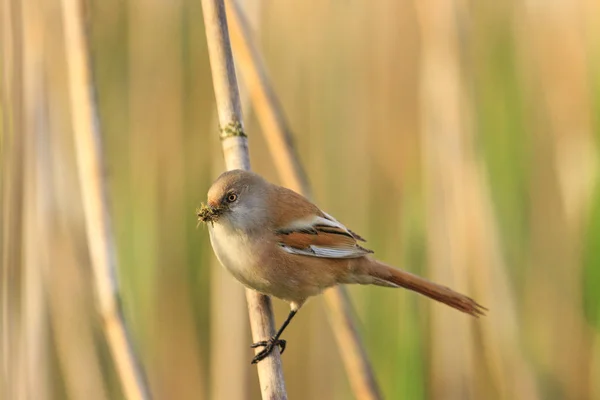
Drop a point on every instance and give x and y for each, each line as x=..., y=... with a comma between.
x=277, y=242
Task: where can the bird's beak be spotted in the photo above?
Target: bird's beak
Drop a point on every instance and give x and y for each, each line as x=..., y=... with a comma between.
x=208, y=213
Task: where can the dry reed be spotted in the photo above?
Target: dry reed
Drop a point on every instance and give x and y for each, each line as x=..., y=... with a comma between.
x=235, y=149
x=93, y=189
x=12, y=196
x=280, y=142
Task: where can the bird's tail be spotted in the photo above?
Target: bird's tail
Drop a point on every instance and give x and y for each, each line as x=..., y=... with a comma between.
x=385, y=275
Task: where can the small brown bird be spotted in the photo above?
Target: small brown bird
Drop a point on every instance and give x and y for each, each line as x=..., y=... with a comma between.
x=275, y=241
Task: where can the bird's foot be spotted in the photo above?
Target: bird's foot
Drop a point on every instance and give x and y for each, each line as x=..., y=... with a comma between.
x=268, y=345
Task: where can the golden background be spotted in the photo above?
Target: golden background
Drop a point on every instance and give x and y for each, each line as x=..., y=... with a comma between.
x=460, y=138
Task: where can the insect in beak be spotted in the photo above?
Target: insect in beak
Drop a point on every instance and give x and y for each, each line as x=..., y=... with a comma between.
x=208, y=213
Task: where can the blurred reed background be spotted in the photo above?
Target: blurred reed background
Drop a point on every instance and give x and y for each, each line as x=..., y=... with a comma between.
x=461, y=138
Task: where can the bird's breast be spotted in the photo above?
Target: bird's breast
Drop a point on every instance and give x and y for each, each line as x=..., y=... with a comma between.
x=239, y=253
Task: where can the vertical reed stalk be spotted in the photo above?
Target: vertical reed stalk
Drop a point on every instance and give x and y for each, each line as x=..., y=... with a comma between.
x=93, y=191
x=279, y=140
x=444, y=118
x=464, y=246
x=11, y=191
x=564, y=176
x=228, y=336
x=235, y=149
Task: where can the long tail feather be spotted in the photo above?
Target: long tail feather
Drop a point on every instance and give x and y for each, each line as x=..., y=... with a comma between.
x=385, y=275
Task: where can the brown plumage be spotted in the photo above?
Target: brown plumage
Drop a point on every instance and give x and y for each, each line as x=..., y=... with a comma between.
x=275, y=241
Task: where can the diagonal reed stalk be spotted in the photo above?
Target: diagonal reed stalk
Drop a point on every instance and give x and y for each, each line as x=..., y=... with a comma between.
x=279, y=140
x=235, y=150
x=93, y=190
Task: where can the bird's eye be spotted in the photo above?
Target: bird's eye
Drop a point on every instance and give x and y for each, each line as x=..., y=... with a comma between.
x=231, y=197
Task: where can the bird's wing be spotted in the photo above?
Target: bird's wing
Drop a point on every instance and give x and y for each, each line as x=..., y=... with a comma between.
x=320, y=236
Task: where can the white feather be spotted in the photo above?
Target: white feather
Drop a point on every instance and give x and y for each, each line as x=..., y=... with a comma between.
x=329, y=217
x=310, y=223
x=338, y=252
x=326, y=252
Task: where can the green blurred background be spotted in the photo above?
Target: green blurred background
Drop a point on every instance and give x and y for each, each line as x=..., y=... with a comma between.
x=461, y=138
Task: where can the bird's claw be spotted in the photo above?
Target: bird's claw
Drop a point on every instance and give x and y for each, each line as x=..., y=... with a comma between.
x=268, y=345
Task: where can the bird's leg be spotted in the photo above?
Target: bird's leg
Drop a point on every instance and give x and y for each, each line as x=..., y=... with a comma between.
x=270, y=344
